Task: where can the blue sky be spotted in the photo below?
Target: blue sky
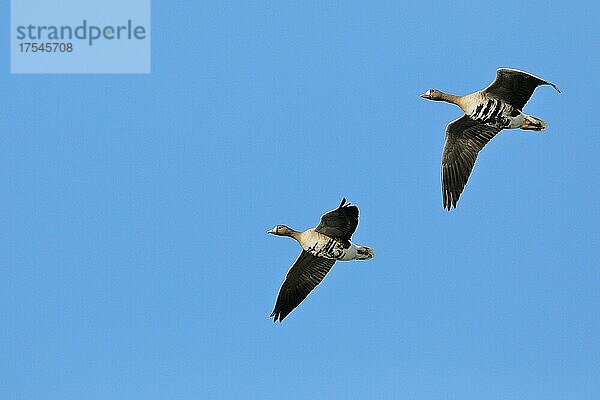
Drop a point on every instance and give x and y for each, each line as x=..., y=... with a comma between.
x=134, y=257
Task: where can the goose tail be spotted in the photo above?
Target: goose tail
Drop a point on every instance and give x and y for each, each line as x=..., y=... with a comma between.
x=364, y=253
x=533, y=123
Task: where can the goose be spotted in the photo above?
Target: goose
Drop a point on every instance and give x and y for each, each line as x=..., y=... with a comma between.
x=488, y=111
x=321, y=247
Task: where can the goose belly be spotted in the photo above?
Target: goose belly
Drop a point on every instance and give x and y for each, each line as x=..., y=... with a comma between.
x=321, y=245
x=329, y=248
x=497, y=113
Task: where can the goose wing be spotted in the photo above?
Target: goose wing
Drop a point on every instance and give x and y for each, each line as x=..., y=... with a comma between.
x=339, y=223
x=514, y=87
x=464, y=139
x=306, y=273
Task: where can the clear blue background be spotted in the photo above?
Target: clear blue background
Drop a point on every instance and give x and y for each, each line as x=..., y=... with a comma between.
x=134, y=258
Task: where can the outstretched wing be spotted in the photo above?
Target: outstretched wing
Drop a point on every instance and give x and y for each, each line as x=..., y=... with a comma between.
x=464, y=139
x=339, y=223
x=306, y=273
x=514, y=87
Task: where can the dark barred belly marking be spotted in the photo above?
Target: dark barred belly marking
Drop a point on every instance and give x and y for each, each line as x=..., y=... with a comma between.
x=331, y=249
x=494, y=112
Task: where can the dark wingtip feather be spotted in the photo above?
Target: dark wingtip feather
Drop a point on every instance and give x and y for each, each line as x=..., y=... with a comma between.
x=276, y=316
x=448, y=205
x=342, y=203
x=449, y=201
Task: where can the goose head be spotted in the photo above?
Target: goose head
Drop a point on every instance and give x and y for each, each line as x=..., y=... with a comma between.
x=281, y=230
x=433, y=94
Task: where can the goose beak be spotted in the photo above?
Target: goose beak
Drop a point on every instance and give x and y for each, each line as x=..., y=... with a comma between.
x=271, y=231
x=424, y=95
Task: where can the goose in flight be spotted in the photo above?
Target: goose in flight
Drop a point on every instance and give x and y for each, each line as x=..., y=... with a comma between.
x=321, y=247
x=488, y=111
